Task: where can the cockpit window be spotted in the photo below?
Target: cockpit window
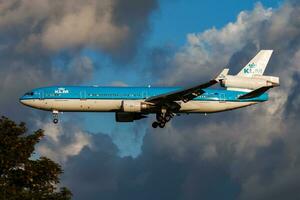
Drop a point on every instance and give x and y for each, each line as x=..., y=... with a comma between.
x=29, y=94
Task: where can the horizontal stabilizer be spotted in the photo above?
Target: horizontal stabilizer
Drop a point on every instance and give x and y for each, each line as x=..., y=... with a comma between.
x=222, y=75
x=255, y=93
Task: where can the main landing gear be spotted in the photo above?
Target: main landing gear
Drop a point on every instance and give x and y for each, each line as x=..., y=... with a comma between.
x=55, y=116
x=162, y=119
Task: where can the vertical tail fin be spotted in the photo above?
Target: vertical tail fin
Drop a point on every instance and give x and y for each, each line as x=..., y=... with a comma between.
x=257, y=65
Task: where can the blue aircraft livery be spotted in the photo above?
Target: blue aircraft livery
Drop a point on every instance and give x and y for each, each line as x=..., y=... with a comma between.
x=134, y=103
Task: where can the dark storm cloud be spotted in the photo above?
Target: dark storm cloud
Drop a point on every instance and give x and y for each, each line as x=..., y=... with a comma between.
x=102, y=174
x=158, y=59
x=133, y=13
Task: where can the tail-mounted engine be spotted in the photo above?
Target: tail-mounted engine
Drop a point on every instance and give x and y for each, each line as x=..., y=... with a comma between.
x=251, y=83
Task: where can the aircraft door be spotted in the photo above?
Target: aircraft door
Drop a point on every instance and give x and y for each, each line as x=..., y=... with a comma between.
x=82, y=95
x=41, y=95
x=222, y=97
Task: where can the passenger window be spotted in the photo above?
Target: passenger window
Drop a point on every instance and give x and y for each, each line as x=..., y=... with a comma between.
x=29, y=94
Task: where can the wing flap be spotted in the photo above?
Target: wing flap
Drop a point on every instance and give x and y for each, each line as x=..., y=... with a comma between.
x=255, y=93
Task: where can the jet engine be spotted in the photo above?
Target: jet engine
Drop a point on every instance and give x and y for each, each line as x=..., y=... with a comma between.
x=252, y=83
x=134, y=106
x=128, y=116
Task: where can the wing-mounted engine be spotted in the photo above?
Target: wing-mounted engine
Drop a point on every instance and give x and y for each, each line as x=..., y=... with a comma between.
x=250, y=83
x=133, y=110
x=128, y=116
x=136, y=106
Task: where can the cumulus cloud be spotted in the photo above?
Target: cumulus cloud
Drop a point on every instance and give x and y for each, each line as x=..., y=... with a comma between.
x=198, y=58
x=247, y=154
x=56, y=25
x=251, y=135
x=62, y=141
x=34, y=34
x=86, y=26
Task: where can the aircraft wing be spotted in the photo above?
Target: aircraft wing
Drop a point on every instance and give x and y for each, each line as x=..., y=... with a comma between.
x=184, y=95
x=255, y=93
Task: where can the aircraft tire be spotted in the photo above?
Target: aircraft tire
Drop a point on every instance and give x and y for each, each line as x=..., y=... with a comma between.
x=154, y=125
x=168, y=118
x=161, y=125
x=55, y=121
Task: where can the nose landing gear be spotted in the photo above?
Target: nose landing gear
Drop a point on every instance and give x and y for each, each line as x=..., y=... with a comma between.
x=55, y=116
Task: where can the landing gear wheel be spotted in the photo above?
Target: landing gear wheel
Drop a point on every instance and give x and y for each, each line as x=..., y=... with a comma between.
x=55, y=116
x=161, y=125
x=154, y=124
x=168, y=118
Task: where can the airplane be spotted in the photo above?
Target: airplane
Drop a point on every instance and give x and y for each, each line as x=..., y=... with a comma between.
x=246, y=88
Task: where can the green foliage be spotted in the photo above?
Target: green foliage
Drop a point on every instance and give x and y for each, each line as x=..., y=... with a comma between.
x=20, y=176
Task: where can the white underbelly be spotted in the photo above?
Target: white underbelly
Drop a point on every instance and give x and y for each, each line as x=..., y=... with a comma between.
x=212, y=106
x=101, y=105
x=73, y=105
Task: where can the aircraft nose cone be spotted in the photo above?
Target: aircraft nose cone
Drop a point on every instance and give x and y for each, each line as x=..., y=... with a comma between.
x=23, y=101
x=28, y=102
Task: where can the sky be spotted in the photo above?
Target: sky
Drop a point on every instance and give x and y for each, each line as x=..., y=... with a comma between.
x=165, y=31
x=174, y=21
x=251, y=153
x=191, y=17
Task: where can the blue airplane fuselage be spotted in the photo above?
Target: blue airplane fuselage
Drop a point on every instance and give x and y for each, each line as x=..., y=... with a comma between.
x=106, y=99
x=247, y=88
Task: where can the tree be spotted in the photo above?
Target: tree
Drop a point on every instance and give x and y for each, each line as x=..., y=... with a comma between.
x=22, y=177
